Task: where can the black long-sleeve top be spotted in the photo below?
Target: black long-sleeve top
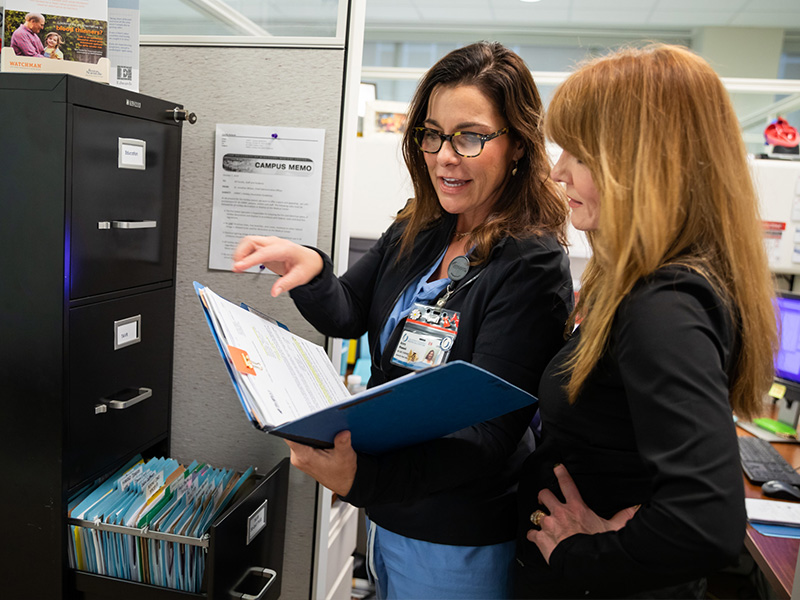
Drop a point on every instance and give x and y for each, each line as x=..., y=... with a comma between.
x=651, y=426
x=459, y=489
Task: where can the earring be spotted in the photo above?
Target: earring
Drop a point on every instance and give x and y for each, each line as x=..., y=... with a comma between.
x=514, y=170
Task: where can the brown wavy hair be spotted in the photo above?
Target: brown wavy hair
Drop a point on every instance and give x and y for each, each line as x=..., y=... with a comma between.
x=530, y=203
x=658, y=132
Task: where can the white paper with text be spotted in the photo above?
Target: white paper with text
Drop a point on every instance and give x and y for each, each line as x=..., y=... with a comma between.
x=292, y=376
x=267, y=181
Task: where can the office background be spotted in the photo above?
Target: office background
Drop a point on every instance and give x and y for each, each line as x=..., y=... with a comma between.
x=239, y=76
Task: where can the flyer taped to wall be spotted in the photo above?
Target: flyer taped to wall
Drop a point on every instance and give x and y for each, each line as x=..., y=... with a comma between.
x=267, y=181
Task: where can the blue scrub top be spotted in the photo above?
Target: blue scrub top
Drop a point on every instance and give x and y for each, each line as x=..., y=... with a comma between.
x=423, y=291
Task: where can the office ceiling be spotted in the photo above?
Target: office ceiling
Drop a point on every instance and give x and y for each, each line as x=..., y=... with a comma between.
x=581, y=14
x=472, y=17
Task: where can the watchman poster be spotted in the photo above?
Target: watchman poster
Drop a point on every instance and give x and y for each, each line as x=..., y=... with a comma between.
x=267, y=181
x=56, y=36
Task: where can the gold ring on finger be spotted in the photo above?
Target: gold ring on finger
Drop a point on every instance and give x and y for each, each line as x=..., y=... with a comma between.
x=536, y=517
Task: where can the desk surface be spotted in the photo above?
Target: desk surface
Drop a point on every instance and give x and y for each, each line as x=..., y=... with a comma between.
x=776, y=557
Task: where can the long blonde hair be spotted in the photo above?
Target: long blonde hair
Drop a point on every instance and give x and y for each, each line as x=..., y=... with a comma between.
x=530, y=203
x=657, y=130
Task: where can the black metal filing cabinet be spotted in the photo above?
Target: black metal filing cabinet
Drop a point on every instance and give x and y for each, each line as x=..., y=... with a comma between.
x=89, y=178
x=88, y=221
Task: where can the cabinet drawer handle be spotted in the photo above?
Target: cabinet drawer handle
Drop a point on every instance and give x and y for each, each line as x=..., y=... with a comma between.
x=127, y=224
x=116, y=403
x=259, y=572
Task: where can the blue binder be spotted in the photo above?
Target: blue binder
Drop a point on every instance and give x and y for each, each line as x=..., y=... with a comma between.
x=417, y=407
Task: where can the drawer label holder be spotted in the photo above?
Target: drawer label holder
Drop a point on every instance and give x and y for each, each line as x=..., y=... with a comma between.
x=127, y=331
x=257, y=522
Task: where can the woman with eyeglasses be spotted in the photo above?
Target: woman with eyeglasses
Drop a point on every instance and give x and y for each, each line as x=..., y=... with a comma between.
x=481, y=241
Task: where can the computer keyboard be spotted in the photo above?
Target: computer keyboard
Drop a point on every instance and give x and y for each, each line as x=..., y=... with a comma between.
x=761, y=462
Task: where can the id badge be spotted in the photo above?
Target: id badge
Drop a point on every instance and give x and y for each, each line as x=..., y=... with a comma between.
x=427, y=337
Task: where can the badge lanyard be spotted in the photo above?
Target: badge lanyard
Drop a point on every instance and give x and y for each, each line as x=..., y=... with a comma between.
x=429, y=331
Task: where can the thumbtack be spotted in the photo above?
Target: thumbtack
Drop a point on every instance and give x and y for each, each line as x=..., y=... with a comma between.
x=274, y=136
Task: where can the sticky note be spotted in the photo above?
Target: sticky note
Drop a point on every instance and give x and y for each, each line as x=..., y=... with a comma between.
x=241, y=360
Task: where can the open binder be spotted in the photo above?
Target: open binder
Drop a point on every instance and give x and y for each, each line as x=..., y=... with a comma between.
x=288, y=387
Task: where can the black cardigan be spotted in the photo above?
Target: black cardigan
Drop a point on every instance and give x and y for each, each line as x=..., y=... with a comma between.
x=652, y=426
x=458, y=489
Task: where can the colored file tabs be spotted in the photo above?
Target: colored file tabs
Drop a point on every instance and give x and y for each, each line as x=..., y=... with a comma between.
x=147, y=522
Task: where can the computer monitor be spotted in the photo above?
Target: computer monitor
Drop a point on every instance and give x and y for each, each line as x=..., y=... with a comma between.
x=787, y=361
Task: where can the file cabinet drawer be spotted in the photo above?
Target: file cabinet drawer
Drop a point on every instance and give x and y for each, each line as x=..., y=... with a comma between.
x=120, y=366
x=124, y=211
x=231, y=552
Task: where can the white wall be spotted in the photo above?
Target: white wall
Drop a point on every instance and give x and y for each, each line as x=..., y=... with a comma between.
x=382, y=185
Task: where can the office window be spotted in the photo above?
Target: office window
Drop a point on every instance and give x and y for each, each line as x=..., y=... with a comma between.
x=555, y=57
x=253, y=18
x=380, y=54
x=790, y=69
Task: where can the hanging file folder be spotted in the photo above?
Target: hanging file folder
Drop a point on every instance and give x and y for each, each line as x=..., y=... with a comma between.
x=148, y=522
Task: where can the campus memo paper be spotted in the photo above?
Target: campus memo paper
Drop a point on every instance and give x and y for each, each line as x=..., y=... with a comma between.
x=288, y=387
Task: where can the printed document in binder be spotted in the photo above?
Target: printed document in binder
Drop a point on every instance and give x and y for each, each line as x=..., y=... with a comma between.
x=289, y=387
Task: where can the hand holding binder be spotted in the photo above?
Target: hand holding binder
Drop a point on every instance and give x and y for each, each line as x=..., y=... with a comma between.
x=334, y=468
x=288, y=387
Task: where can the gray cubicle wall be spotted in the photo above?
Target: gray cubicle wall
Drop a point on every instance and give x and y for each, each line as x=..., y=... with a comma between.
x=248, y=86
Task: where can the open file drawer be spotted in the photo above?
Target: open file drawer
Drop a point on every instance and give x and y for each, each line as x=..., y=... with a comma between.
x=240, y=558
